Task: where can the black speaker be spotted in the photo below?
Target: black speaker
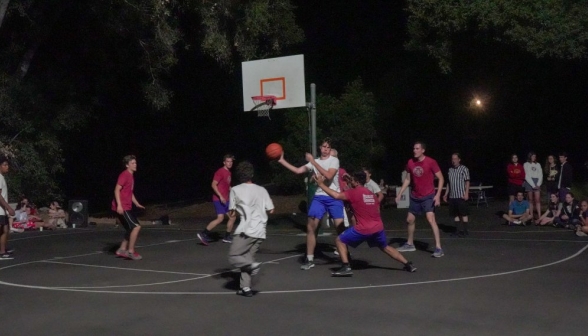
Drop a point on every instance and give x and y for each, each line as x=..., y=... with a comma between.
x=78, y=213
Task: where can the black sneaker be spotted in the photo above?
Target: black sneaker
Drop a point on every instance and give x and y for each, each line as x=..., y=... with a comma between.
x=246, y=292
x=409, y=267
x=228, y=239
x=344, y=271
x=10, y=250
x=204, y=239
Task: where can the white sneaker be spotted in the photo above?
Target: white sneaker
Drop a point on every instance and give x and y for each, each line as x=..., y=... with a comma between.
x=17, y=230
x=581, y=234
x=517, y=222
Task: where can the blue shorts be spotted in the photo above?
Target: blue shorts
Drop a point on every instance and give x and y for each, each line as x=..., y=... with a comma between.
x=220, y=208
x=418, y=206
x=321, y=204
x=353, y=238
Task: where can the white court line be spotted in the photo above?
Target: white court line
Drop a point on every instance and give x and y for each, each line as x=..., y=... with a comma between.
x=120, y=268
x=309, y=290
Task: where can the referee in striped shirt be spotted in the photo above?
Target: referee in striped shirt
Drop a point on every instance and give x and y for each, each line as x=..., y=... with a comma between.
x=458, y=190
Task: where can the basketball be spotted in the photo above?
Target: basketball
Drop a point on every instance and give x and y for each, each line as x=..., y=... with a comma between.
x=273, y=151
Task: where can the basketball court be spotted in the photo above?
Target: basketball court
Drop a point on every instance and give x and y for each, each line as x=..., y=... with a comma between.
x=498, y=280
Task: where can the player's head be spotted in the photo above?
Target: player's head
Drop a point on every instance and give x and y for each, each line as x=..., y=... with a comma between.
x=455, y=159
x=563, y=157
x=4, y=164
x=130, y=162
x=418, y=149
x=228, y=160
x=244, y=171
x=531, y=157
x=368, y=173
x=326, y=147
x=520, y=196
x=514, y=158
x=359, y=177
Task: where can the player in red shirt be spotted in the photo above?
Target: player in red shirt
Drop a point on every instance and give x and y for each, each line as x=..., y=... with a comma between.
x=422, y=171
x=369, y=225
x=124, y=198
x=221, y=186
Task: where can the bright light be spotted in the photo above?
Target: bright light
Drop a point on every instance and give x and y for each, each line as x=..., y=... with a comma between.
x=478, y=102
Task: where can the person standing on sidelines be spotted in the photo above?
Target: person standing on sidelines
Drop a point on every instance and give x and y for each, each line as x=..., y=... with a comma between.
x=252, y=202
x=516, y=177
x=369, y=225
x=533, y=181
x=421, y=171
x=564, y=176
x=457, y=194
x=122, y=204
x=5, y=210
x=221, y=186
x=327, y=166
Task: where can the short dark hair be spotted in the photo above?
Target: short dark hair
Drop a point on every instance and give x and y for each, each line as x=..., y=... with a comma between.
x=329, y=141
x=457, y=154
x=228, y=156
x=520, y=192
x=244, y=171
x=423, y=145
x=128, y=158
x=4, y=158
x=564, y=154
x=360, y=177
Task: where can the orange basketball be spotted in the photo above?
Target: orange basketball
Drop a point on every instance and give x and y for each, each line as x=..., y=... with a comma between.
x=273, y=151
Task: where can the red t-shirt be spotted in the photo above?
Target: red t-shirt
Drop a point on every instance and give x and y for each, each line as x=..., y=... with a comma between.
x=366, y=209
x=516, y=174
x=223, y=177
x=342, y=184
x=422, y=176
x=127, y=181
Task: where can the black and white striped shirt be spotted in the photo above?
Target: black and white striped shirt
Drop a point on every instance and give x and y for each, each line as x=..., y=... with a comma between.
x=457, y=178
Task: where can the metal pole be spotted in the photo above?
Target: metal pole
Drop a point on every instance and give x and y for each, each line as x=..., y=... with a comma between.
x=313, y=118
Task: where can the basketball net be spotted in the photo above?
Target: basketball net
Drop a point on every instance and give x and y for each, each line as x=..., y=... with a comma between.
x=263, y=105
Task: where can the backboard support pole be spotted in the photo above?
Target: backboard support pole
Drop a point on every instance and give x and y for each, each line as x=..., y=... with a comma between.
x=313, y=119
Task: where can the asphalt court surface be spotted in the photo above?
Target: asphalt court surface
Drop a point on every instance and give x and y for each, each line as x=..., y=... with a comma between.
x=497, y=280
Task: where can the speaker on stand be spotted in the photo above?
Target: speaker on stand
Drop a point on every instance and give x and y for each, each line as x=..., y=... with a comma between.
x=78, y=213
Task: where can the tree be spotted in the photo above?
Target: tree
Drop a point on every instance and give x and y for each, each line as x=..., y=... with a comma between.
x=67, y=63
x=544, y=28
x=350, y=121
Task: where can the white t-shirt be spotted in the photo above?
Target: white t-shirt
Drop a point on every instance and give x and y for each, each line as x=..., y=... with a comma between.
x=251, y=202
x=4, y=193
x=328, y=163
x=373, y=186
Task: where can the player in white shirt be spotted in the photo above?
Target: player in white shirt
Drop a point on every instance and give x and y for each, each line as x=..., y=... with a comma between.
x=372, y=186
x=326, y=166
x=5, y=209
x=533, y=182
x=252, y=202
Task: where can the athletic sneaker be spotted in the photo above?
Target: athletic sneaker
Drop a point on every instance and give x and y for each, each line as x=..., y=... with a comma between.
x=246, y=292
x=204, y=239
x=409, y=267
x=228, y=239
x=517, y=222
x=438, y=253
x=307, y=265
x=17, y=230
x=344, y=271
x=407, y=248
x=10, y=250
x=581, y=234
x=6, y=256
x=122, y=253
x=134, y=256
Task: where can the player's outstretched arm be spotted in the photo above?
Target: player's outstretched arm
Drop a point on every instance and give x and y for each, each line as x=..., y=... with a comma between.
x=295, y=170
x=320, y=180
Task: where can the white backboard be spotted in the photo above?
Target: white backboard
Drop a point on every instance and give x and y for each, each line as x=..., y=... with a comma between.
x=282, y=77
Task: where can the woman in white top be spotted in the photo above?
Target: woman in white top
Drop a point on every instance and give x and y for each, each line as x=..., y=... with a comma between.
x=533, y=181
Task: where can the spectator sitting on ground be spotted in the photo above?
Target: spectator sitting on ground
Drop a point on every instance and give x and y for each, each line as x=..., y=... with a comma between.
x=582, y=228
x=553, y=210
x=518, y=211
x=25, y=207
x=56, y=216
x=569, y=216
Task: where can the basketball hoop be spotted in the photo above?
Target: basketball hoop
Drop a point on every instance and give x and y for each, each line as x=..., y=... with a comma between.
x=263, y=105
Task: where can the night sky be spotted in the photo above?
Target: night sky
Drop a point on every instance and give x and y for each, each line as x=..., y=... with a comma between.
x=531, y=104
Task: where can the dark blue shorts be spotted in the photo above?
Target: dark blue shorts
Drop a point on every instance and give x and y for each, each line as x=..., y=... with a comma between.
x=418, y=206
x=321, y=204
x=221, y=208
x=353, y=238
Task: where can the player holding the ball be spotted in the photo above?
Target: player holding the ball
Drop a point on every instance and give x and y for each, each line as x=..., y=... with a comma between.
x=328, y=167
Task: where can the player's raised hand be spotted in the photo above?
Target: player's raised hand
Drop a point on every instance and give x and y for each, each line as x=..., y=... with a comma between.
x=309, y=157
